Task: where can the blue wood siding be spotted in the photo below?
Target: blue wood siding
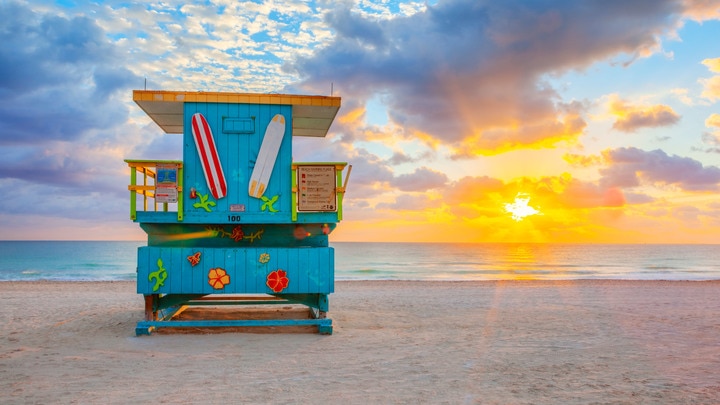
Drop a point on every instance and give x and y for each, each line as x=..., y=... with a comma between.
x=237, y=150
x=310, y=270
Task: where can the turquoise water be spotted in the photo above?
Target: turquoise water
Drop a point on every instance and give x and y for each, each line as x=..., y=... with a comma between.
x=96, y=261
x=505, y=261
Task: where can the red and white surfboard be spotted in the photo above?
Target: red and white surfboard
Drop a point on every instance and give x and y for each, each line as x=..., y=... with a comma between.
x=209, y=159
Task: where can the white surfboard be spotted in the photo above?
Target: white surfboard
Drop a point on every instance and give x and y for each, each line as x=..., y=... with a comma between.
x=266, y=157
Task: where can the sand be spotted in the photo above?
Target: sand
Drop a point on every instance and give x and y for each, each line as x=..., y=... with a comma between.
x=512, y=342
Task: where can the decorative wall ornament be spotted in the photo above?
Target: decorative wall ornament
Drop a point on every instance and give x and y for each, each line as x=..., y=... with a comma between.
x=264, y=258
x=194, y=259
x=218, y=278
x=160, y=275
x=277, y=280
x=268, y=203
x=255, y=235
x=237, y=234
x=204, y=203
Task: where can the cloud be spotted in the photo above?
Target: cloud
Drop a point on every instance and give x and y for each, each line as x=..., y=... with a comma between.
x=577, y=194
x=353, y=27
x=399, y=158
x=582, y=160
x=566, y=126
x=408, y=203
x=422, y=179
x=713, y=121
x=711, y=86
x=64, y=114
x=630, y=118
x=711, y=138
x=474, y=189
x=712, y=64
x=59, y=77
x=472, y=73
x=700, y=10
x=630, y=167
x=683, y=96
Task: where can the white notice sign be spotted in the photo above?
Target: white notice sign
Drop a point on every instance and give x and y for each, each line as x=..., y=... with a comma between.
x=316, y=188
x=165, y=194
x=166, y=183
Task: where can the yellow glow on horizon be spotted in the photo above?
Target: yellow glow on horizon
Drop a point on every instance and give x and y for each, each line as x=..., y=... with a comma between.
x=520, y=208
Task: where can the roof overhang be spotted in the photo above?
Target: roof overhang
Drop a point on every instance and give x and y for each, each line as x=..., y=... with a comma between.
x=311, y=115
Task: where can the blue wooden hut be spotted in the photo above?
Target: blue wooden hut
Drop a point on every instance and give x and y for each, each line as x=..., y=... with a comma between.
x=236, y=221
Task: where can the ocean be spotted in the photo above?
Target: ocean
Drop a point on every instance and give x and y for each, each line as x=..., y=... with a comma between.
x=106, y=261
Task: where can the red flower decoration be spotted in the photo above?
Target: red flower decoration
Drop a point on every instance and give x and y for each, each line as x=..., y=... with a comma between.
x=277, y=280
x=218, y=278
x=237, y=233
x=194, y=259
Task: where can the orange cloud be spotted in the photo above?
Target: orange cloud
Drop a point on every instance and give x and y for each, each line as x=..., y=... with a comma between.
x=630, y=118
x=473, y=190
x=713, y=121
x=711, y=86
x=701, y=10
x=543, y=133
x=583, y=160
x=713, y=137
x=712, y=64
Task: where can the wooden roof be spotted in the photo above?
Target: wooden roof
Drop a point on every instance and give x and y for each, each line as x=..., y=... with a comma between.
x=312, y=115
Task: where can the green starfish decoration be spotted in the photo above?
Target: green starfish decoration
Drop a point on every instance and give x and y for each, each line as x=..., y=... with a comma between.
x=204, y=203
x=269, y=203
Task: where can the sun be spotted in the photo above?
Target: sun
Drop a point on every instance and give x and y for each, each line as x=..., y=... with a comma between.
x=520, y=208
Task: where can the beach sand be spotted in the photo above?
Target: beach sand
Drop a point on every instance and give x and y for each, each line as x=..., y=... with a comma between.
x=504, y=342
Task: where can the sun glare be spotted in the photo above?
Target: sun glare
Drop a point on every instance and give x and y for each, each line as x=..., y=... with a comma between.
x=520, y=208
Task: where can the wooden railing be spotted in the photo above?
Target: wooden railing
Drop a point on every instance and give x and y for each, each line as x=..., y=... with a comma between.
x=151, y=185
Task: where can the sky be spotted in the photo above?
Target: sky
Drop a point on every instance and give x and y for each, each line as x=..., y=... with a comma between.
x=464, y=120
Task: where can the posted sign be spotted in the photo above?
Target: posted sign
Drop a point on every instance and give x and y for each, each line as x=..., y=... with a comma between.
x=316, y=188
x=166, y=183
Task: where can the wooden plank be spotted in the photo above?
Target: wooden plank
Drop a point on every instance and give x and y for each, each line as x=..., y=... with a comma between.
x=234, y=323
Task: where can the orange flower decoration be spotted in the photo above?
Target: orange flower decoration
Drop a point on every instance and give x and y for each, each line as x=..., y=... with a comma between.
x=264, y=258
x=194, y=259
x=218, y=278
x=277, y=280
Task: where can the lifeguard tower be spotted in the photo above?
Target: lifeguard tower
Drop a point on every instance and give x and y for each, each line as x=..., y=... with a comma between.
x=236, y=221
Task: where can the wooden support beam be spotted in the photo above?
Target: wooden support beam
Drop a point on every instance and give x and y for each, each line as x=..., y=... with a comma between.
x=150, y=312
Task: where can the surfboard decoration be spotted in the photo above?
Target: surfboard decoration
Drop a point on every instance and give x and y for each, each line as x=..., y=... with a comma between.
x=266, y=157
x=208, y=154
